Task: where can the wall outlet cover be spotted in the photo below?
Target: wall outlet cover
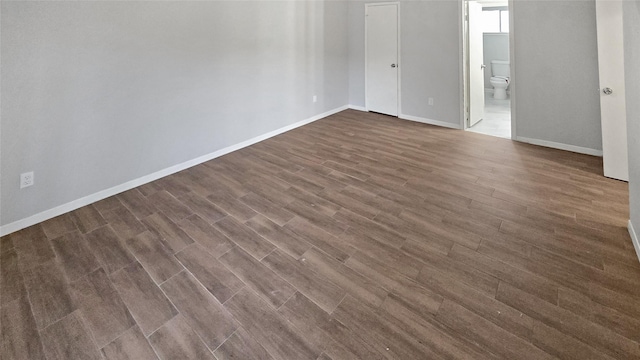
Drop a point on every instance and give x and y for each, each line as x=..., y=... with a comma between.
x=26, y=179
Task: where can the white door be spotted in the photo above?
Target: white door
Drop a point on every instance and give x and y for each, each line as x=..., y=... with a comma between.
x=382, y=58
x=612, y=103
x=476, y=66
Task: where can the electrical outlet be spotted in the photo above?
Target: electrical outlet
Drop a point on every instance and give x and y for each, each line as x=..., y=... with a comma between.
x=315, y=98
x=26, y=179
x=431, y=101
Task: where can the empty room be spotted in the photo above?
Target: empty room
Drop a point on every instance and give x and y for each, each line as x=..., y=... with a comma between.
x=241, y=179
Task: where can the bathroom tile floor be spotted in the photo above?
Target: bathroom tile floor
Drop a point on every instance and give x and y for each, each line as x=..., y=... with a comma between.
x=497, y=118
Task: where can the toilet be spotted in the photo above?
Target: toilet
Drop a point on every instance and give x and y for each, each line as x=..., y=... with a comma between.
x=500, y=71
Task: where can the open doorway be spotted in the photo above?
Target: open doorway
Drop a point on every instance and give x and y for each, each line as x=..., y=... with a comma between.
x=488, y=69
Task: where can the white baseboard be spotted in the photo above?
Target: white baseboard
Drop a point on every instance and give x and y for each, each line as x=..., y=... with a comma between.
x=634, y=239
x=90, y=199
x=555, y=145
x=429, y=121
x=415, y=118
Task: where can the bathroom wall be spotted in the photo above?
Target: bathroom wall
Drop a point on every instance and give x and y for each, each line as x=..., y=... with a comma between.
x=496, y=47
x=429, y=65
x=556, y=73
x=97, y=94
x=631, y=23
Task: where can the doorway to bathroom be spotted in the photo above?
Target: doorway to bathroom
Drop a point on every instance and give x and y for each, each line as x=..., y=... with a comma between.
x=487, y=70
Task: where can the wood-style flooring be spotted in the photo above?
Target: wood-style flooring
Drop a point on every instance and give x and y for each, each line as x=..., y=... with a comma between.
x=359, y=236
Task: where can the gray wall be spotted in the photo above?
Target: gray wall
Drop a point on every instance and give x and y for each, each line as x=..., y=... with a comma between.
x=556, y=72
x=106, y=92
x=495, y=47
x=429, y=62
x=631, y=20
x=100, y=93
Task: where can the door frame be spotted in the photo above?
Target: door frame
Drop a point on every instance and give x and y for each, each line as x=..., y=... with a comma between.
x=467, y=68
x=366, y=55
x=464, y=66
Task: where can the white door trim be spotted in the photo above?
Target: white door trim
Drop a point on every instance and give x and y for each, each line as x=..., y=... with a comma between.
x=366, y=71
x=462, y=53
x=512, y=64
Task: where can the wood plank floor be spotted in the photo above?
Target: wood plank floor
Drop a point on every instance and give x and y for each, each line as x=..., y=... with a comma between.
x=359, y=236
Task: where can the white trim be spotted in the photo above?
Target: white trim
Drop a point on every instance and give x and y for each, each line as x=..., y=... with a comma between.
x=399, y=61
x=634, y=239
x=89, y=199
x=366, y=50
x=561, y=146
x=359, y=108
x=400, y=67
x=429, y=121
x=512, y=68
x=461, y=62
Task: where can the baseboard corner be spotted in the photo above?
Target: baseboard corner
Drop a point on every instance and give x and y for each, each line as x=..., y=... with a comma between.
x=560, y=146
x=429, y=121
x=358, y=108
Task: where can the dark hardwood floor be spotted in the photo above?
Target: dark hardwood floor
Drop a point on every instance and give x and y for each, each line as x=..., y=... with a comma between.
x=358, y=236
